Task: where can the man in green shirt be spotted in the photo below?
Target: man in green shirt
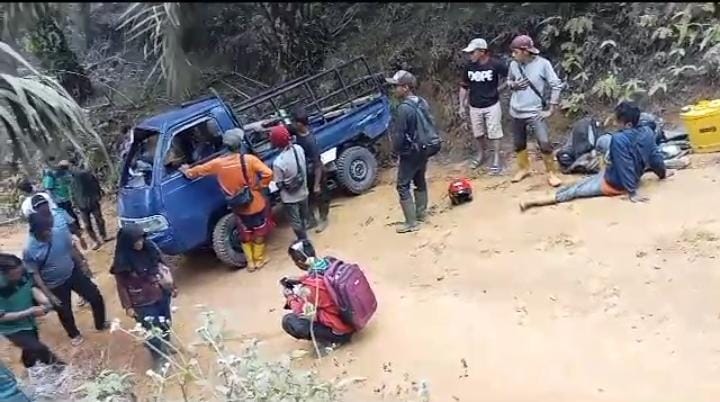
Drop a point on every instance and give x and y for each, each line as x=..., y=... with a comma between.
x=20, y=303
x=58, y=180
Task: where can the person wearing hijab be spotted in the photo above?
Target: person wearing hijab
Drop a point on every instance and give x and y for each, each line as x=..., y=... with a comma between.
x=144, y=286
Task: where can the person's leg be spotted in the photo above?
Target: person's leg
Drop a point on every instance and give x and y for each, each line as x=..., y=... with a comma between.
x=495, y=134
x=295, y=219
x=542, y=134
x=83, y=286
x=87, y=222
x=305, y=213
x=296, y=326
x=33, y=350
x=477, y=121
x=99, y=221
x=64, y=311
x=148, y=317
x=312, y=202
x=323, y=204
x=406, y=173
x=519, y=130
x=421, y=191
x=585, y=188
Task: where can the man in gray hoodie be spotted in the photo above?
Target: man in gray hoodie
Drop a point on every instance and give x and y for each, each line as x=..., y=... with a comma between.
x=528, y=77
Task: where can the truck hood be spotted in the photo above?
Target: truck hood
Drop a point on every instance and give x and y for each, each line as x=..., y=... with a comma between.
x=137, y=202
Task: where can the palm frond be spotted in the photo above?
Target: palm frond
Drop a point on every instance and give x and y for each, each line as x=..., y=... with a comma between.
x=159, y=26
x=37, y=105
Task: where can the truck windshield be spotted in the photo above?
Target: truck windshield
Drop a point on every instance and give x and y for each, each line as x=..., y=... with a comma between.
x=138, y=162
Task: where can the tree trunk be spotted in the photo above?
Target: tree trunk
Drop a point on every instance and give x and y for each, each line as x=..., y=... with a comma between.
x=49, y=44
x=83, y=22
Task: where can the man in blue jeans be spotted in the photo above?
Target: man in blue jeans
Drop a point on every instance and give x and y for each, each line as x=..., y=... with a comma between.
x=632, y=151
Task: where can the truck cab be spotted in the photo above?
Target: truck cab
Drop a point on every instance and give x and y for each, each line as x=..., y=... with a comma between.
x=181, y=215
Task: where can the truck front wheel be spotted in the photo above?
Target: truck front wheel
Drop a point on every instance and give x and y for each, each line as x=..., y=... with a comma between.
x=226, y=242
x=356, y=169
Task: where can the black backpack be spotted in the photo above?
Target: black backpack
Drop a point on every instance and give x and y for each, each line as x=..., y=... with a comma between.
x=427, y=138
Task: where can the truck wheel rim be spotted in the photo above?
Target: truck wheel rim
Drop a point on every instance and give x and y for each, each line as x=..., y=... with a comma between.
x=358, y=170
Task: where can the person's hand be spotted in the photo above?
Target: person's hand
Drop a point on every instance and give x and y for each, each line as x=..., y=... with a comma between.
x=669, y=173
x=316, y=189
x=287, y=292
x=174, y=293
x=38, y=311
x=521, y=84
x=130, y=312
x=462, y=112
x=636, y=198
x=83, y=243
x=551, y=111
x=184, y=169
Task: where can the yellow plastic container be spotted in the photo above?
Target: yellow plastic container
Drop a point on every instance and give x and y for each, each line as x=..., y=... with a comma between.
x=702, y=122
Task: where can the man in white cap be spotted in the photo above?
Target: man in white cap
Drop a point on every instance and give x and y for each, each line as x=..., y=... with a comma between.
x=479, y=89
x=415, y=139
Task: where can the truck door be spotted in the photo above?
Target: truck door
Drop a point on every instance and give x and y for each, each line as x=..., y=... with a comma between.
x=190, y=204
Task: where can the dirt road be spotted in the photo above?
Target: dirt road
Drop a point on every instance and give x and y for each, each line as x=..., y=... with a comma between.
x=599, y=300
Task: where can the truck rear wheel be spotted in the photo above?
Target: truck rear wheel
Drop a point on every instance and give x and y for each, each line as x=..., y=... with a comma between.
x=356, y=169
x=226, y=242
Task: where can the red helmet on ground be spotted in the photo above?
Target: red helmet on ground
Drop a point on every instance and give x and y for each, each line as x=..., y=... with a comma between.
x=279, y=136
x=460, y=191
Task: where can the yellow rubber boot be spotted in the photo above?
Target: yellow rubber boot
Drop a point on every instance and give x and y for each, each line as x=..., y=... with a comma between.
x=247, y=248
x=523, y=164
x=552, y=178
x=260, y=259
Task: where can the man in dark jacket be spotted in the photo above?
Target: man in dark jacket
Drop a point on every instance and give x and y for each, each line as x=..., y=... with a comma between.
x=408, y=140
x=632, y=151
x=86, y=194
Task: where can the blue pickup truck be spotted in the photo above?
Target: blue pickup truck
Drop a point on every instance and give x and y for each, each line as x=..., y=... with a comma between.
x=349, y=112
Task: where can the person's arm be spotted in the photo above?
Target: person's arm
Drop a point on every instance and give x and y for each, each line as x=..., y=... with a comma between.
x=48, y=182
x=501, y=69
x=40, y=297
x=36, y=311
x=656, y=161
x=400, y=127
x=556, y=85
x=208, y=168
x=259, y=168
x=278, y=174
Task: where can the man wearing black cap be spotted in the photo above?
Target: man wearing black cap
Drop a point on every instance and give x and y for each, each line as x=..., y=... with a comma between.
x=415, y=139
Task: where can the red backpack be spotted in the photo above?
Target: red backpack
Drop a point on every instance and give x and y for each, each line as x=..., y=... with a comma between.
x=351, y=292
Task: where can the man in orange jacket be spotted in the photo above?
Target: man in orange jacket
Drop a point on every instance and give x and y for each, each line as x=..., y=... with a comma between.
x=310, y=301
x=254, y=219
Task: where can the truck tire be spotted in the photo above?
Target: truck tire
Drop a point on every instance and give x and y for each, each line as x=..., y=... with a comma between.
x=226, y=243
x=356, y=169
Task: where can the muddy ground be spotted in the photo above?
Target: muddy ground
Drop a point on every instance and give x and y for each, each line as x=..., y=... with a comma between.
x=598, y=300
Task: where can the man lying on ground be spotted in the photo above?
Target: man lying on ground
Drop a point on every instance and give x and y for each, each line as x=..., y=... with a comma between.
x=632, y=152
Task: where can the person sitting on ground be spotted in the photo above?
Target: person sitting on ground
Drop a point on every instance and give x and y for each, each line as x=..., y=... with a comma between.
x=631, y=152
x=253, y=220
x=9, y=390
x=290, y=172
x=20, y=303
x=86, y=194
x=310, y=301
x=48, y=256
x=144, y=286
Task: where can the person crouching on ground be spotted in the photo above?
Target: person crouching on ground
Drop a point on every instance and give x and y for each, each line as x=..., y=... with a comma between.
x=290, y=172
x=144, y=286
x=310, y=301
x=20, y=303
x=528, y=76
x=234, y=175
x=632, y=151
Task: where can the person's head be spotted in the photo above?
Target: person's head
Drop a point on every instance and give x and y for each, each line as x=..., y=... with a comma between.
x=25, y=187
x=403, y=82
x=125, y=129
x=233, y=139
x=280, y=137
x=40, y=204
x=627, y=114
x=11, y=267
x=300, y=120
x=477, y=49
x=523, y=49
x=131, y=237
x=41, y=226
x=301, y=252
x=63, y=165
